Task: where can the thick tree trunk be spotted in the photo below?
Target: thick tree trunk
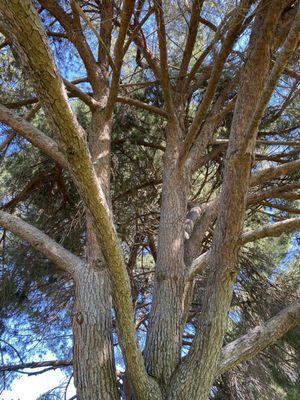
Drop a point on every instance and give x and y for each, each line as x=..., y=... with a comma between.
x=163, y=346
x=196, y=375
x=94, y=372
x=93, y=359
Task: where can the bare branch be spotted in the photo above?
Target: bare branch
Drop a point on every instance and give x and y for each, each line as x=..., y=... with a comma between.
x=164, y=68
x=91, y=26
x=281, y=207
x=231, y=36
x=40, y=364
x=191, y=37
x=33, y=135
x=144, y=106
x=127, y=11
x=275, y=229
x=42, y=242
x=294, y=143
x=7, y=141
x=249, y=345
x=277, y=191
x=86, y=98
x=274, y=172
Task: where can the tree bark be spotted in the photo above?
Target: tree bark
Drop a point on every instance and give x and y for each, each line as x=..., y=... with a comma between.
x=93, y=359
x=195, y=376
x=163, y=345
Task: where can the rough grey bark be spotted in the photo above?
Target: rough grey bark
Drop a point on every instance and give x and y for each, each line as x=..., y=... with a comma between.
x=31, y=41
x=259, y=338
x=93, y=359
x=162, y=351
x=42, y=242
x=195, y=376
x=102, y=281
x=33, y=135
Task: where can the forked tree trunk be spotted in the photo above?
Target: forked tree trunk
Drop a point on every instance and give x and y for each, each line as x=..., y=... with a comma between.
x=94, y=367
x=93, y=360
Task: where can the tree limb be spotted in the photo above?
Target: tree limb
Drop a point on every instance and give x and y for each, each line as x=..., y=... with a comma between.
x=249, y=345
x=231, y=36
x=191, y=37
x=127, y=11
x=286, y=53
x=144, y=106
x=274, y=172
x=42, y=242
x=40, y=364
x=31, y=41
x=209, y=210
x=33, y=135
x=275, y=229
x=164, y=68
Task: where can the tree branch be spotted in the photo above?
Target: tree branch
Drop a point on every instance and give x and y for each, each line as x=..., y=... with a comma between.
x=51, y=363
x=231, y=36
x=144, y=106
x=33, y=135
x=91, y=26
x=275, y=229
x=119, y=52
x=86, y=98
x=164, y=68
x=249, y=345
x=31, y=41
x=286, y=53
x=191, y=38
x=42, y=242
x=274, y=172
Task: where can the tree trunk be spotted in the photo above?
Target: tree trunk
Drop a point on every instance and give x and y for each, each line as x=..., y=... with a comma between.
x=163, y=346
x=94, y=367
x=93, y=359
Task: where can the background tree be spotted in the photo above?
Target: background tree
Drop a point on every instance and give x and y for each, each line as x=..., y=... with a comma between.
x=165, y=156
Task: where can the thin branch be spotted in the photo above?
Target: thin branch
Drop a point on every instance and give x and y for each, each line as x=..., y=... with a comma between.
x=164, y=68
x=191, y=37
x=286, y=53
x=144, y=106
x=231, y=36
x=86, y=98
x=294, y=143
x=40, y=364
x=279, y=192
x=27, y=190
x=96, y=33
x=280, y=207
x=7, y=141
x=119, y=52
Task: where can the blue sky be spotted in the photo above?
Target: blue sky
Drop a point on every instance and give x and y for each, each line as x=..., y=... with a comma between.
x=31, y=387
